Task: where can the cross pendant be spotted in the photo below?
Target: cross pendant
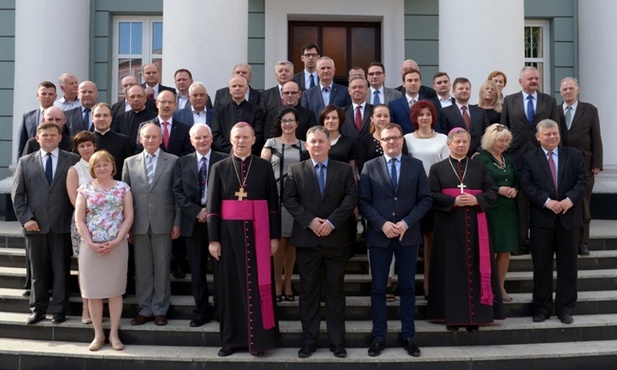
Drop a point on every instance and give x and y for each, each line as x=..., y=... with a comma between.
x=462, y=187
x=241, y=194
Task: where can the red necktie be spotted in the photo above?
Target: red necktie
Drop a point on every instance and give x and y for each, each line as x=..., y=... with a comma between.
x=359, y=118
x=165, y=134
x=551, y=165
x=466, y=118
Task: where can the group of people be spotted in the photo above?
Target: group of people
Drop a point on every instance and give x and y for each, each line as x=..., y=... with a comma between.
x=276, y=180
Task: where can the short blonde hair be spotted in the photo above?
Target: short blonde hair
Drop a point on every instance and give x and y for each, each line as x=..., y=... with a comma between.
x=493, y=133
x=100, y=156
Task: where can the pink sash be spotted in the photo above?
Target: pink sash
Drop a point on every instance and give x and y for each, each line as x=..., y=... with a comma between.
x=486, y=290
x=256, y=211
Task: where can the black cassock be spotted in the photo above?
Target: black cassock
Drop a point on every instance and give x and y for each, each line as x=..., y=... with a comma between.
x=238, y=294
x=454, y=275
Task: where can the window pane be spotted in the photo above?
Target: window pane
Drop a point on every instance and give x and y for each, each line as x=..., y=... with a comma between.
x=363, y=46
x=136, y=37
x=124, y=38
x=157, y=38
x=533, y=42
x=335, y=46
x=301, y=36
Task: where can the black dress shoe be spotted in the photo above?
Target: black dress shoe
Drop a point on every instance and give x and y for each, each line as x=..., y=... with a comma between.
x=179, y=273
x=58, y=318
x=411, y=348
x=197, y=322
x=35, y=318
x=339, y=351
x=566, y=319
x=472, y=328
x=225, y=351
x=540, y=317
x=376, y=347
x=583, y=250
x=26, y=293
x=451, y=328
x=306, y=351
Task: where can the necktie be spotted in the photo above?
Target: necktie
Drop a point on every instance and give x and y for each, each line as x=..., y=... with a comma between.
x=411, y=103
x=203, y=178
x=150, y=168
x=321, y=177
x=166, y=134
x=376, y=99
x=393, y=173
x=49, y=169
x=551, y=165
x=530, y=112
x=359, y=118
x=466, y=118
x=41, y=116
x=569, y=116
x=86, y=119
x=311, y=80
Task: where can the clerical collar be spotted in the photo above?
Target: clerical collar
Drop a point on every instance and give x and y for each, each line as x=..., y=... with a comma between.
x=102, y=132
x=457, y=159
x=241, y=158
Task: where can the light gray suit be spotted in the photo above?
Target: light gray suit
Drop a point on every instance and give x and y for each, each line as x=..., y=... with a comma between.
x=49, y=248
x=388, y=95
x=156, y=214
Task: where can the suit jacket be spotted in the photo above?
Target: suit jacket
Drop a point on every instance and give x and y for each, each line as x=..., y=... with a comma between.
x=299, y=79
x=523, y=134
x=537, y=185
x=161, y=88
x=187, y=189
x=399, y=113
x=27, y=130
x=75, y=121
x=584, y=134
x=34, y=198
x=179, y=138
x=155, y=206
x=186, y=115
x=119, y=107
x=379, y=203
x=271, y=100
x=223, y=97
x=388, y=96
x=349, y=126
x=425, y=91
x=452, y=118
x=304, y=202
x=313, y=100
x=306, y=120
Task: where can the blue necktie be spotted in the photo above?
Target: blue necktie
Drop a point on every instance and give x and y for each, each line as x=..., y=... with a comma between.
x=376, y=99
x=203, y=177
x=311, y=80
x=49, y=169
x=393, y=174
x=530, y=112
x=86, y=119
x=321, y=177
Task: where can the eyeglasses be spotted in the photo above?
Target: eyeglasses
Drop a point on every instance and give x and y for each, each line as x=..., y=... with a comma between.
x=288, y=121
x=499, y=128
x=310, y=55
x=391, y=138
x=290, y=92
x=375, y=73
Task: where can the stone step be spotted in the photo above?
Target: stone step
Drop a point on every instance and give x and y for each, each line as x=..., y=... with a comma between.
x=357, y=307
x=30, y=354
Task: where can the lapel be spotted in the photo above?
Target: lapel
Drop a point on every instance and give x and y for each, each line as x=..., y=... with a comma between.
x=385, y=175
x=580, y=111
x=193, y=172
x=541, y=157
x=561, y=164
x=38, y=163
x=519, y=104
x=161, y=163
x=141, y=169
x=62, y=162
x=311, y=177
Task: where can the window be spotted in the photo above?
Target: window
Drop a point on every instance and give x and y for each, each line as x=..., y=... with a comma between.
x=537, y=43
x=137, y=41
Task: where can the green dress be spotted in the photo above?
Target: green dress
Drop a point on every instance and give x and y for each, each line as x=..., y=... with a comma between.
x=503, y=215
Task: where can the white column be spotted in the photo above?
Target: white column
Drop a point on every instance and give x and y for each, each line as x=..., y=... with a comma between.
x=596, y=57
x=479, y=38
x=51, y=37
x=206, y=37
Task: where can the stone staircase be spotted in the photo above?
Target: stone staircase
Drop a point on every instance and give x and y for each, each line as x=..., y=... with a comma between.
x=517, y=342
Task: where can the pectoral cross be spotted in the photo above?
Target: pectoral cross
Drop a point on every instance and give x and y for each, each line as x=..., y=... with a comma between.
x=462, y=187
x=241, y=194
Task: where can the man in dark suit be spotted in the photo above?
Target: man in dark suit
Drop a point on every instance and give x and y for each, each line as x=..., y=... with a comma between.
x=54, y=115
x=358, y=113
x=321, y=195
x=176, y=138
x=379, y=94
x=152, y=81
x=46, y=95
x=308, y=77
x=223, y=96
x=425, y=91
x=521, y=113
x=583, y=124
x=198, y=110
x=554, y=180
x=306, y=118
x=157, y=223
x=80, y=118
x=326, y=92
x=238, y=109
x=272, y=98
x=128, y=123
x=123, y=105
x=400, y=108
x=43, y=208
x=470, y=117
x=190, y=191
x=393, y=213
x=118, y=145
